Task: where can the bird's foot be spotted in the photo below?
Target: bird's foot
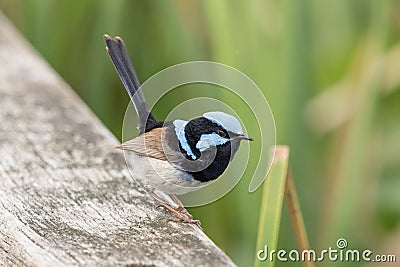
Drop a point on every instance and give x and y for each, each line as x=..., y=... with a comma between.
x=180, y=207
x=181, y=214
x=185, y=220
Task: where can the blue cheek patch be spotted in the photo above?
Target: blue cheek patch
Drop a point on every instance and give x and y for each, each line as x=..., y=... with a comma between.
x=210, y=140
x=180, y=133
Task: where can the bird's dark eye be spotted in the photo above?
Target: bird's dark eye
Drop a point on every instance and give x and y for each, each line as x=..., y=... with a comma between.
x=221, y=133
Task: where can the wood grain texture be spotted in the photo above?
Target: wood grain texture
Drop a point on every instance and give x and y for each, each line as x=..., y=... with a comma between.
x=66, y=197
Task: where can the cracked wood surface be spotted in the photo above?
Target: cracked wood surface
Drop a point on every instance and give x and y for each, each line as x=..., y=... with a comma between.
x=66, y=197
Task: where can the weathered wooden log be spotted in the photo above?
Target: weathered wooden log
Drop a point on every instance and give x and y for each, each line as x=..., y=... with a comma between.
x=66, y=197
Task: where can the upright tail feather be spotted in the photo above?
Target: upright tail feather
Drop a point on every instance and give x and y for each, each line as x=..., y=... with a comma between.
x=122, y=63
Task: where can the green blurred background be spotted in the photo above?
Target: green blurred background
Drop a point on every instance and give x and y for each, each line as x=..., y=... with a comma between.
x=329, y=69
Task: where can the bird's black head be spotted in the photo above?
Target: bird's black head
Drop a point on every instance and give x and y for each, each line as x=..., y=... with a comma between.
x=214, y=130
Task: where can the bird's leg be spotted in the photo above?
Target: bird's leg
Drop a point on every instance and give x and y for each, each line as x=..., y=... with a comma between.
x=164, y=204
x=179, y=216
x=177, y=201
x=180, y=207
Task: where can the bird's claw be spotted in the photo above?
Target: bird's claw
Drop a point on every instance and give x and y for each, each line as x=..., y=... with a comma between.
x=185, y=220
x=181, y=214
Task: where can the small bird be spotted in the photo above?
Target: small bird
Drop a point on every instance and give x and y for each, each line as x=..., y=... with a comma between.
x=174, y=157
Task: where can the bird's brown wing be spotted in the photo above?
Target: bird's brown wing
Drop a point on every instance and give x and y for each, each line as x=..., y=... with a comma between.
x=148, y=144
x=162, y=143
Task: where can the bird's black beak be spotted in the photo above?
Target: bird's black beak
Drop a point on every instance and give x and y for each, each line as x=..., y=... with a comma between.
x=243, y=137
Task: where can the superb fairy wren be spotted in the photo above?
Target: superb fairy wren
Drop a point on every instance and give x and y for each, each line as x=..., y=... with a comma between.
x=174, y=157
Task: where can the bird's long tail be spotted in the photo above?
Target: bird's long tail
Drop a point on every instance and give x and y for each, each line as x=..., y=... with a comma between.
x=122, y=63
